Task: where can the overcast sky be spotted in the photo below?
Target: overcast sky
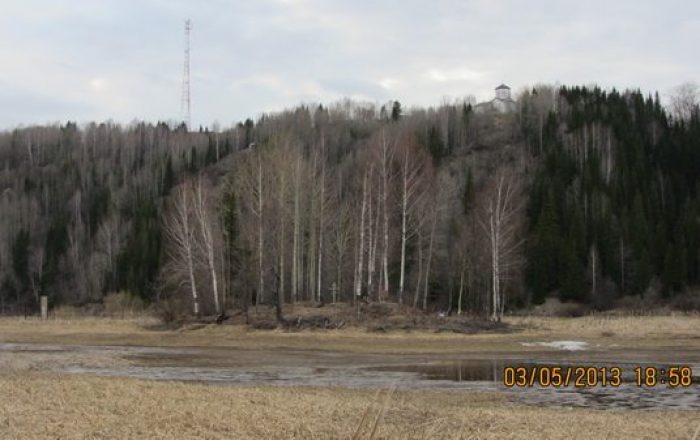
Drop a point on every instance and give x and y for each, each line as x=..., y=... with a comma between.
x=123, y=59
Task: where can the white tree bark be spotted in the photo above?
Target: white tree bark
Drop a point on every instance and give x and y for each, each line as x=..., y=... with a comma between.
x=503, y=209
x=495, y=259
x=404, y=231
x=312, y=245
x=181, y=238
x=370, y=237
x=373, y=254
x=322, y=203
x=361, y=252
x=385, y=214
x=261, y=285
x=207, y=239
x=295, y=236
x=410, y=174
x=342, y=235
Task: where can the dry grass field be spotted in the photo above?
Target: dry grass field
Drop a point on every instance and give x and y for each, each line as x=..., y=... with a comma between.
x=38, y=405
x=647, y=332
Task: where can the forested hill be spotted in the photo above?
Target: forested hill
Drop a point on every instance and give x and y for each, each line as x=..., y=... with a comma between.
x=584, y=194
x=614, y=199
x=81, y=207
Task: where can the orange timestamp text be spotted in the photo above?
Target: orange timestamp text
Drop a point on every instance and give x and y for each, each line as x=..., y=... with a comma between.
x=594, y=376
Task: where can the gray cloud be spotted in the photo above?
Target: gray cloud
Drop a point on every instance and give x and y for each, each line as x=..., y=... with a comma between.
x=81, y=59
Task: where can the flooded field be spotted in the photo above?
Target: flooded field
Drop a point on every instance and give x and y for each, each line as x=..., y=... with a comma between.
x=316, y=368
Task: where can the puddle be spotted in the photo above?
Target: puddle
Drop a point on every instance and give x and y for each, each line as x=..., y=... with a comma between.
x=285, y=367
x=488, y=375
x=471, y=375
x=560, y=345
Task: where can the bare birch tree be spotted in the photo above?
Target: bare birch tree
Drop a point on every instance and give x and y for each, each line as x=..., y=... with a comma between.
x=296, y=226
x=500, y=222
x=412, y=170
x=341, y=234
x=386, y=159
x=180, y=234
x=206, y=234
x=261, y=237
x=321, y=218
x=685, y=99
x=361, y=240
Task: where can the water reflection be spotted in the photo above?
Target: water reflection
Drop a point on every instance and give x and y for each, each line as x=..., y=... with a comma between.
x=487, y=374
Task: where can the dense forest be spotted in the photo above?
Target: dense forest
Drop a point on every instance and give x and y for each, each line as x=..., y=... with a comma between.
x=584, y=194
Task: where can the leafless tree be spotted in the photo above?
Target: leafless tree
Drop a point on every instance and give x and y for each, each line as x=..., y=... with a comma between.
x=37, y=262
x=685, y=99
x=321, y=218
x=501, y=221
x=296, y=226
x=205, y=236
x=413, y=164
x=181, y=237
x=387, y=154
x=341, y=231
x=361, y=240
x=261, y=238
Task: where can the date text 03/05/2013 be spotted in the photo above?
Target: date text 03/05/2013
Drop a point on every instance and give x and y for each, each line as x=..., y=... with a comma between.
x=591, y=376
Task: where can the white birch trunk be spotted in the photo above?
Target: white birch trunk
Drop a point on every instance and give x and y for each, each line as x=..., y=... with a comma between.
x=320, y=225
x=360, y=255
x=282, y=221
x=385, y=198
x=205, y=228
x=495, y=279
x=261, y=295
x=404, y=232
x=179, y=232
x=370, y=240
x=375, y=243
x=295, y=236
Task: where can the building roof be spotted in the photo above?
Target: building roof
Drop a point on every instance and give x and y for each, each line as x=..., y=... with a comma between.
x=502, y=86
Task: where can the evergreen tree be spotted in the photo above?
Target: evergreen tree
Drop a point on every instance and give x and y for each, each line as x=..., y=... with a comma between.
x=435, y=144
x=544, y=254
x=229, y=207
x=396, y=111
x=571, y=276
x=468, y=193
x=20, y=261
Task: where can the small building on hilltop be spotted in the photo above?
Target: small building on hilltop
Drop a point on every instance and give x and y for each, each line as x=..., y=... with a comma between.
x=502, y=103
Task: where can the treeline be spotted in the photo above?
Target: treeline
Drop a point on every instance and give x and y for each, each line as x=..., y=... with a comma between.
x=81, y=206
x=356, y=203
x=614, y=206
x=581, y=193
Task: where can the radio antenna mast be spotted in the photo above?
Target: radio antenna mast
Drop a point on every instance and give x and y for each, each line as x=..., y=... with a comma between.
x=185, y=104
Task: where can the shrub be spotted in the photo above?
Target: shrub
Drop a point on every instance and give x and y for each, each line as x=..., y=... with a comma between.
x=66, y=312
x=122, y=304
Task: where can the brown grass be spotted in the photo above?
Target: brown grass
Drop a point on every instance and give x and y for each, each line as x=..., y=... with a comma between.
x=44, y=405
x=626, y=326
x=668, y=332
x=79, y=407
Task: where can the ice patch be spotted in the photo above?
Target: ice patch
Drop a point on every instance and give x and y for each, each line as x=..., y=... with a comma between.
x=561, y=345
